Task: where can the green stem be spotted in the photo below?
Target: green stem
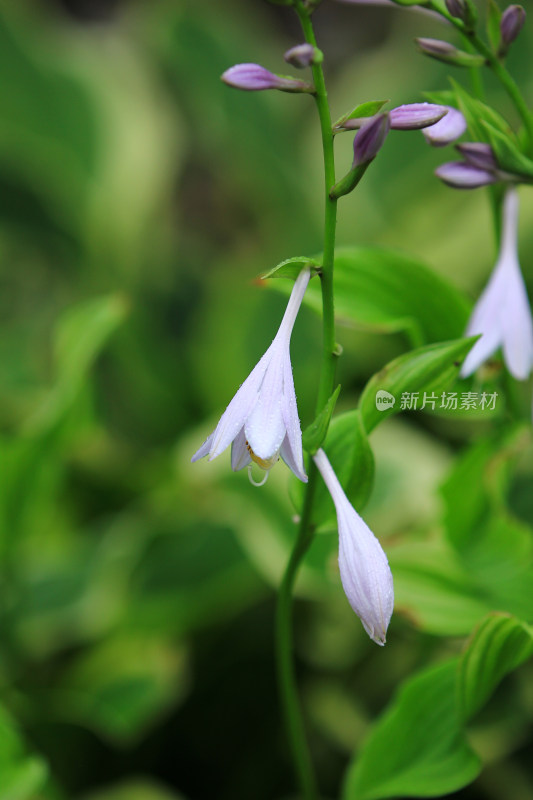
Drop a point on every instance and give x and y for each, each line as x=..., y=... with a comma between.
x=285, y=665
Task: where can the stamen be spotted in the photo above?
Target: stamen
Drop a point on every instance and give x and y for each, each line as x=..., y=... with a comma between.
x=251, y=477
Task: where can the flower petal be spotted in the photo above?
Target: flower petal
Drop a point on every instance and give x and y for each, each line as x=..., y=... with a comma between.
x=517, y=325
x=447, y=130
x=414, y=116
x=460, y=175
x=240, y=455
x=264, y=427
x=234, y=417
x=289, y=410
x=204, y=449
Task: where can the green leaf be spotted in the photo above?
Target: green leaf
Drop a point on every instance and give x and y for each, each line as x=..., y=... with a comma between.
x=351, y=457
x=498, y=646
x=508, y=156
x=367, y=109
x=493, y=19
x=417, y=748
x=476, y=113
x=315, y=433
x=138, y=789
x=22, y=775
x=385, y=291
x=434, y=589
x=428, y=369
x=292, y=267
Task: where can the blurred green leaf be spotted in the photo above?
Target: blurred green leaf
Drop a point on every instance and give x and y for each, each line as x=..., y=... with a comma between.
x=417, y=748
x=121, y=687
x=508, y=155
x=367, y=109
x=21, y=775
x=136, y=789
x=493, y=20
x=434, y=589
x=477, y=113
x=428, y=369
x=498, y=646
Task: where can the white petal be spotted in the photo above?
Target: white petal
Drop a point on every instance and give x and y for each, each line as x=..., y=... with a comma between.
x=240, y=456
x=365, y=572
x=517, y=326
x=449, y=128
x=486, y=319
x=264, y=427
x=292, y=423
x=288, y=457
x=234, y=417
x=204, y=449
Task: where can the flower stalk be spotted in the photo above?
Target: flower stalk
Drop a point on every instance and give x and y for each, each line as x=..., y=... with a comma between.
x=284, y=640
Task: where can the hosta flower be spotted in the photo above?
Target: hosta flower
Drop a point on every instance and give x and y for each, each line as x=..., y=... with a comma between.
x=502, y=314
x=255, y=78
x=261, y=423
x=365, y=572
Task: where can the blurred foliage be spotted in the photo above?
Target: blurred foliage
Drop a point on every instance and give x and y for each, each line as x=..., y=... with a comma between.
x=139, y=200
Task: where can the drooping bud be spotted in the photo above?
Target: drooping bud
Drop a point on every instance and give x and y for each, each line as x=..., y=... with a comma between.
x=255, y=78
x=446, y=52
x=365, y=572
x=303, y=55
x=461, y=175
x=478, y=154
x=511, y=24
x=446, y=130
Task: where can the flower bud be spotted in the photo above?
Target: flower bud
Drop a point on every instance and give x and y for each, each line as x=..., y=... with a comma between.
x=254, y=78
x=413, y=116
x=370, y=138
x=511, y=24
x=446, y=52
x=303, y=55
x=478, y=154
x=446, y=130
x=460, y=175
x=463, y=10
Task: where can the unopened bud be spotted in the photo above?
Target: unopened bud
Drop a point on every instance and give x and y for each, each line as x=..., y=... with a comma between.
x=511, y=24
x=446, y=52
x=464, y=176
x=414, y=116
x=303, y=55
x=463, y=10
x=254, y=78
x=369, y=140
x=478, y=154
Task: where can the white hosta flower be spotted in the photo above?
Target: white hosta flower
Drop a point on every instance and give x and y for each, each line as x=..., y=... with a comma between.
x=261, y=422
x=502, y=315
x=365, y=572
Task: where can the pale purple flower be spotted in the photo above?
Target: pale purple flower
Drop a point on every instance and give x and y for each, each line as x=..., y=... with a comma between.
x=461, y=175
x=261, y=423
x=478, y=154
x=446, y=130
x=391, y=4
x=255, y=78
x=502, y=315
x=365, y=572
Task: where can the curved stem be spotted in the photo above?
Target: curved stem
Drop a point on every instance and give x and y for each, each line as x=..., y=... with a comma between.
x=286, y=673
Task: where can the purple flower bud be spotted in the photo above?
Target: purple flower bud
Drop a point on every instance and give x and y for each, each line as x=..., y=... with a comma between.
x=303, y=55
x=456, y=8
x=414, y=116
x=254, y=78
x=369, y=140
x=464, y=176
x=511, y=24
x=478, y=154
x=444, y=51
x=446, y=130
